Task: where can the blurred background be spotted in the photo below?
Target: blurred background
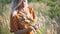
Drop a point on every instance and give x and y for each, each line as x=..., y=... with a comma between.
x=47, y=11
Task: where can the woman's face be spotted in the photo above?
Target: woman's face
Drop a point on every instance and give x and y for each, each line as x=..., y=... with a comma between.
x=23, y=3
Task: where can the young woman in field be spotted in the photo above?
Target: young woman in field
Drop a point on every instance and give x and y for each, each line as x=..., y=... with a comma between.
x=22, y=18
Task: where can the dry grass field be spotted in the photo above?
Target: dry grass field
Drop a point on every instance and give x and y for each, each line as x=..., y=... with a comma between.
x=48, y=15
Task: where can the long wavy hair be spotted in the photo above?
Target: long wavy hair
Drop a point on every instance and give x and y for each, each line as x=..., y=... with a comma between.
x=18, y=4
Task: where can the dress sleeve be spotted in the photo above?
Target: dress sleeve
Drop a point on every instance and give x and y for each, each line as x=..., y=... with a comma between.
x=13, y=24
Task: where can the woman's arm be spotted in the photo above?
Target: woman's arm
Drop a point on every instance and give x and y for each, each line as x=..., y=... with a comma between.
x=34, y=28
x=24, y=30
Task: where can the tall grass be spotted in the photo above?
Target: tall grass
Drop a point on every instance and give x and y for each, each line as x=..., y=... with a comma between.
x=5, y=20
x=46, y=11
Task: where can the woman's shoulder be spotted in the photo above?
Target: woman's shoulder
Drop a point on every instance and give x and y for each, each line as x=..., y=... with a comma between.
x=30, y=7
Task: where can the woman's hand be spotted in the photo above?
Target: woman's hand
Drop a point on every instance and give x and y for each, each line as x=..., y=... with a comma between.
x=37, y=26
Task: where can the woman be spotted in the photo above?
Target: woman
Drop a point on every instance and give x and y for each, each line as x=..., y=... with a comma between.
x=21, y=18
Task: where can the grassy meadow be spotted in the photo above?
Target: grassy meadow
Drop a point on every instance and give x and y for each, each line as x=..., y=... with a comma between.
x=47, y=11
